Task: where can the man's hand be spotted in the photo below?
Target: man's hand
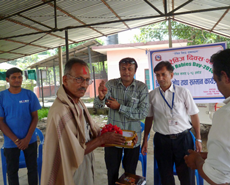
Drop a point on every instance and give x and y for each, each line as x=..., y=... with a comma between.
x=192, y=159
x=22, y=144
x=113, y=138
x=112, y=103
x=135, y=140
x=144, y=148
x=204, y=155
x=198, y=146
x=102, y=90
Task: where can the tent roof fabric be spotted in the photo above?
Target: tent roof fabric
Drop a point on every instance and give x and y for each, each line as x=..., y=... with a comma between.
x=29, y=27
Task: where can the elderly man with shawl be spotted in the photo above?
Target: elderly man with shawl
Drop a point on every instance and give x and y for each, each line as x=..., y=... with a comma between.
x=71, y=135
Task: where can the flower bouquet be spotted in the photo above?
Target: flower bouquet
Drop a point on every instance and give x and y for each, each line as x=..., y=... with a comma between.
x=128, y=134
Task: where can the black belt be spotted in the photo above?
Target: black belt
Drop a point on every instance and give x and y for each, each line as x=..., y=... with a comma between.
x=175, y=136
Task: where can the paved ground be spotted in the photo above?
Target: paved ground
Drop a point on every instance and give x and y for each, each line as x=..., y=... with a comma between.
x=100, y=172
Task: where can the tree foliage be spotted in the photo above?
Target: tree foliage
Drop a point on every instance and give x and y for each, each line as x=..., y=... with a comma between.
x=70, y=46
x=24, y=62
x=98, y=67
x=100, y=41
x=159, y=31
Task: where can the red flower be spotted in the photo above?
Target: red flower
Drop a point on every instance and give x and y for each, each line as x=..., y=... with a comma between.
x=111, y=128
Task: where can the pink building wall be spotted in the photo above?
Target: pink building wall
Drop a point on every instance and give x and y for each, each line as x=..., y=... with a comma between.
x=50, y=90
x=90, y=90
x=138, y=51
x=47, y=91
x=115, y=53
x=114, y=57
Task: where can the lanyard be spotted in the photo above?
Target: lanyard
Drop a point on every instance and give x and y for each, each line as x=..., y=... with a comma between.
x=166, y=100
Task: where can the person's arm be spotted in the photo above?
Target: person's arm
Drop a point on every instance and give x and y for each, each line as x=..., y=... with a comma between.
x=106, y=138
x=7, y=131
x=99, y=101
x=196, y=125
x=148, y=126
x=23, y=143
x=195, y=161
x=102, y=90
x=192, y=110
x=204, y=155
x=98, y=104
x=141, y=111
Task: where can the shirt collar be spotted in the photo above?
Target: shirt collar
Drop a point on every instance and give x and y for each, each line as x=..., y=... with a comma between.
x=133, y=83
x=227, y=100
x=171, y=88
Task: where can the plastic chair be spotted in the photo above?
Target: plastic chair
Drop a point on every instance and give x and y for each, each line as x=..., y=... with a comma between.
x=142, y=158
x=22, y=162
x=157, y=178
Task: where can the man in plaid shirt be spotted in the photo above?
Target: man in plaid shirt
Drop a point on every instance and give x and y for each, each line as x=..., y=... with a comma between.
x=128, y=101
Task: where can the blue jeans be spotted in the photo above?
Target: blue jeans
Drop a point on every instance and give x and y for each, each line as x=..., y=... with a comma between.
x=12, y=160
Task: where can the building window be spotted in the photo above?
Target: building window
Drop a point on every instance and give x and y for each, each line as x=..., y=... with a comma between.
x=147, y=79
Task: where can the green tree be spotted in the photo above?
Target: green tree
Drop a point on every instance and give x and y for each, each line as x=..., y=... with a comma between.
x=24, y=62
x=70, y=46
x=100, y=41
x=48, y=52
x=98, y=67
x=159, y=31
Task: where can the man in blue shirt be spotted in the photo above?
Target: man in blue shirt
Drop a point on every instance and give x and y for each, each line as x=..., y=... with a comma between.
x=18, y=120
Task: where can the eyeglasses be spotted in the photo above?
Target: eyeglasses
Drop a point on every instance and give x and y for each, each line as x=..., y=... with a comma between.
x=80, y=80
x=125, y=61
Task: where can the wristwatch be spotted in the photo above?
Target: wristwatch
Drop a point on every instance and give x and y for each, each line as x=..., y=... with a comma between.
x=199, y=140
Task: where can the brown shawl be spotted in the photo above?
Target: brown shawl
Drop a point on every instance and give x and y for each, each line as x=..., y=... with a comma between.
x=64, y=145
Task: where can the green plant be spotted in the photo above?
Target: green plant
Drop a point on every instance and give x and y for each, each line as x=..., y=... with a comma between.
x=28, y=85
x=143, y=120
x=42, y=113
x=159, y=31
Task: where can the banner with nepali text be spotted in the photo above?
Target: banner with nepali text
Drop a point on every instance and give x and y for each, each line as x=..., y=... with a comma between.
x=192, y=70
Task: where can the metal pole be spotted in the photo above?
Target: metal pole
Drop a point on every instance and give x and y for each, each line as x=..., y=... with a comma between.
x=94, y=82
x=60, y=64
x=46, y=77
x=103, y=65
x=170, y=32
x=169, y=29
x=55, y=14
x=42, y=89
x=67, y=45
x=49, y=82
x=90, y=61
x=54, y=80
x=38, y=81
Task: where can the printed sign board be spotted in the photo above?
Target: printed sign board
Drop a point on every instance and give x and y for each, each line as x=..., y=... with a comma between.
x=192, y=70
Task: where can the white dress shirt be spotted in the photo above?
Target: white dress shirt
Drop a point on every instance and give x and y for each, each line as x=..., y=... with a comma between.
x=175, y=120
x=217, y=164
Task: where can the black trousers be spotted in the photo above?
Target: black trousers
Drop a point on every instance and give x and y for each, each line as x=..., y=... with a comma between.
x=169, y=151
x=12, y=160
x=113, y=157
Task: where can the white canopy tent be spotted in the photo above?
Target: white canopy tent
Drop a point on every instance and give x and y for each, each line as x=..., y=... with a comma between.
x=29, y=27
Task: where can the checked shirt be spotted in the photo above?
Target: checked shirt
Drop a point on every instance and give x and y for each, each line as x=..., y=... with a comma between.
x=134, y=105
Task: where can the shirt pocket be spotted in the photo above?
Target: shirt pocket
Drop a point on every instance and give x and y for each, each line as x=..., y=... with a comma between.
x=178, y=107
x=133, y=102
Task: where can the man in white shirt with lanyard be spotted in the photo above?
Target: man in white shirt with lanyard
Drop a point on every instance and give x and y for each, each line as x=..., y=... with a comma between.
x=214, y=166
x=170, y=106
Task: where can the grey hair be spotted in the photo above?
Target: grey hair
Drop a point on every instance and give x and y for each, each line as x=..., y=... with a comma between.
x=71, y=62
